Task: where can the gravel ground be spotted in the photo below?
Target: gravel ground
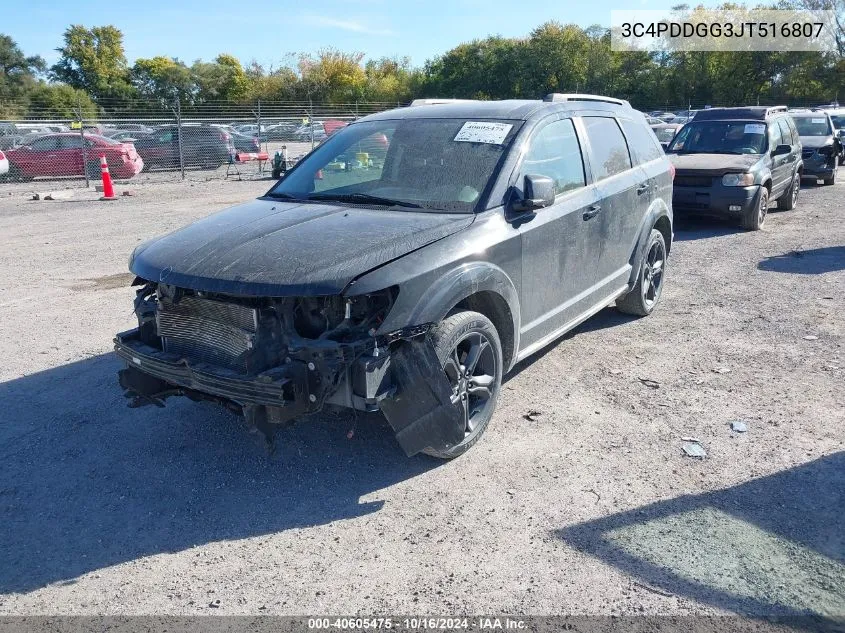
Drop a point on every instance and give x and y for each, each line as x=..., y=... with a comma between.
x=577, y=500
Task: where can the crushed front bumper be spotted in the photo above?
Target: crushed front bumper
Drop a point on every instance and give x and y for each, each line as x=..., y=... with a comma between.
x=278, y=387
x=408, y=385
x=819, y=166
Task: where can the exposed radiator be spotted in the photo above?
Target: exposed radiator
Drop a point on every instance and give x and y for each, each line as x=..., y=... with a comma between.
x=206, y=330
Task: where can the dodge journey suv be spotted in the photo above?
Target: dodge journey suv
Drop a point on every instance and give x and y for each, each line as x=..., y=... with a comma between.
x=405, y=265
x=735, y=162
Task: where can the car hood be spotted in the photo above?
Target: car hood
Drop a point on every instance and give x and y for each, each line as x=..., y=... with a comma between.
x=273, y=248
x=713, y=164
x=814, y=142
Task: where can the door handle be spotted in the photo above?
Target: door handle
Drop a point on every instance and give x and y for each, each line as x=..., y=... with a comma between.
x=592, y=211
x=642, y=189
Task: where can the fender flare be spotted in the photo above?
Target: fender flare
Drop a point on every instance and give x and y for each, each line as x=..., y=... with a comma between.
x=658, y=209
x=464, y=281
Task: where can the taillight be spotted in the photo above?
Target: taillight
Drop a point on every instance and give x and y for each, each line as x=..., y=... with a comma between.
x=672, y=171
x=2, y=156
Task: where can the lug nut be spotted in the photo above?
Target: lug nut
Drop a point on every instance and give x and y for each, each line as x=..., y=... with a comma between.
x=311, y=366
x=312, y=398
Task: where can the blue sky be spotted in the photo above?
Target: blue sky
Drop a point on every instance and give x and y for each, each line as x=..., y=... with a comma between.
x=268, y=30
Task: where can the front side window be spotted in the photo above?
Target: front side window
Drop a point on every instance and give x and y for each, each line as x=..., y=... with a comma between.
x=608, y=150
x=812, y=126
x=555, y=152
x=721, y=137
x=430, y=164
x=44, y=144
x=785, y=132
x=775, y=135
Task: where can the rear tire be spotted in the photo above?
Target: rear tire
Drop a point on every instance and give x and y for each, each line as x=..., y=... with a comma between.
x=790, y=196
x=755, y=218
x=471, y=373
x=644, y=297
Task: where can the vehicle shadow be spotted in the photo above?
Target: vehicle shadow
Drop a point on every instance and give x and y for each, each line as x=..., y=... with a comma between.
x=814, y=261
x=607, y=318
x=86, y=483
x=694, y=227
x=771, y=546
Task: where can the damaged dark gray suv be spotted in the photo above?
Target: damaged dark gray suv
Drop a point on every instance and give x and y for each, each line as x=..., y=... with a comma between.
x=405, y=265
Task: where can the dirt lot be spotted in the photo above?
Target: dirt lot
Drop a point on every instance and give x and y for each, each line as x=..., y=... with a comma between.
x=586, y=505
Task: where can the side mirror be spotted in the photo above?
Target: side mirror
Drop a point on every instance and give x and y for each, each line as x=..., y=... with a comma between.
x=538, y=192
x=782, y=150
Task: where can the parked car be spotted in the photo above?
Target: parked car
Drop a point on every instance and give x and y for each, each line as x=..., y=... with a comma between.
x=837, y=116
x=731, y=162
x=281, y=131
x=59, y=155
x=665, y=132
x=128, y=136
x=4, y=164
x=307, y=132
x=244, y=143
x=412, y=284
x=821, y=145
x=202, y=146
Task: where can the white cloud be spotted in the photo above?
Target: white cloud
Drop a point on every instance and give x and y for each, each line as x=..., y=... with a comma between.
x=355, y=26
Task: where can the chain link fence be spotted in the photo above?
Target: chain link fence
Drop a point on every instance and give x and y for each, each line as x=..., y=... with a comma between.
x=155, y=141
x=149, y=141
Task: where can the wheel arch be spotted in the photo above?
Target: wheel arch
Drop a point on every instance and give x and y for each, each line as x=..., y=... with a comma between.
x=479, y=286
x=657, y=217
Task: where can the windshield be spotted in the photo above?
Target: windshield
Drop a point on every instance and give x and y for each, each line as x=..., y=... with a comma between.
x=838, y=120
x=433, y=164
x=812, y=126
x=720, y=137
x=665, y=134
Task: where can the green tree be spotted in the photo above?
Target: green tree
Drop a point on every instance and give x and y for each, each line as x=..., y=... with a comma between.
x=18, y=73
x=163, y=78
x=93, y=60
x=224, y=79
x=59, y=101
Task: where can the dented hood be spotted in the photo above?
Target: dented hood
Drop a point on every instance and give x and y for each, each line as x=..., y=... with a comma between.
x=713, y=164
x=276, y=248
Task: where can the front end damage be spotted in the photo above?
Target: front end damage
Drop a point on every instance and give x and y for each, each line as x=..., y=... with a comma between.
x=275, y=359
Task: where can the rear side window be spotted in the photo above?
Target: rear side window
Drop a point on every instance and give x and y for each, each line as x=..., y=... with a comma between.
x=71, y=142
x=609, y=152
x=642, y=142
x=555, y=152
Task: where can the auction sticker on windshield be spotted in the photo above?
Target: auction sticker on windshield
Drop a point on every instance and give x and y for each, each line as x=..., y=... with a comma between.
x=483, y=132
x=755, y=128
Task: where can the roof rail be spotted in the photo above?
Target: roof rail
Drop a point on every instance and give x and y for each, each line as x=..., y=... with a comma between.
x=560, y=96
x=421, y=102
x=774, y=109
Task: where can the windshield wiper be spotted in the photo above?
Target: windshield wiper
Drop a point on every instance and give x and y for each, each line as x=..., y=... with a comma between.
x=282, y=195
x=363, y=198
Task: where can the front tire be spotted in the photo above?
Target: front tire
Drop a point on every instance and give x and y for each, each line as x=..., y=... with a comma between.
x=755, y=217
x=470, y=352
x=643, y=299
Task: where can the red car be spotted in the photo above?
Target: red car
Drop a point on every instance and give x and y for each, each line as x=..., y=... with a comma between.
x=55, y=155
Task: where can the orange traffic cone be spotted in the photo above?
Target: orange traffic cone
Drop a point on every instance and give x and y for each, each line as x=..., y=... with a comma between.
x=108, y=189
